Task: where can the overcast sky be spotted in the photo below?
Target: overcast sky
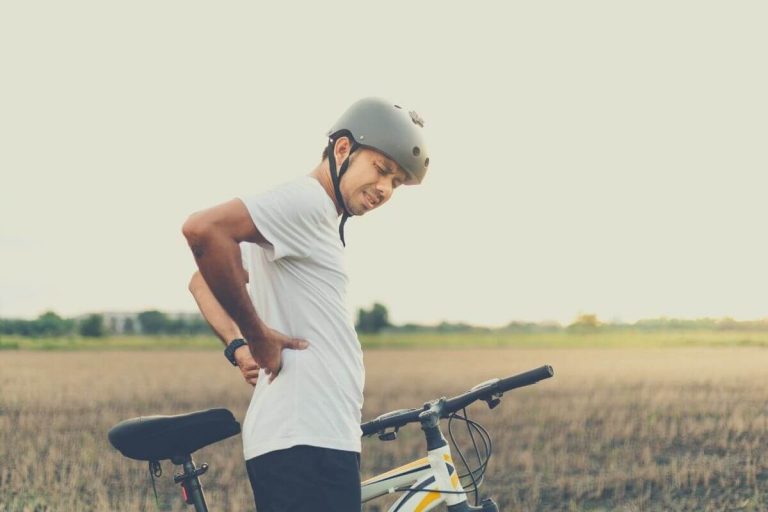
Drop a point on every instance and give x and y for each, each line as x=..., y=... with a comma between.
x=600, y=157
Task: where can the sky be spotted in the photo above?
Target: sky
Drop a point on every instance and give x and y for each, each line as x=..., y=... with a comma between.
x=585, y=157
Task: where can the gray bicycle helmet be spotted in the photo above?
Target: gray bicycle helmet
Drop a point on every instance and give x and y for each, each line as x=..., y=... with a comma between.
x=385, y=127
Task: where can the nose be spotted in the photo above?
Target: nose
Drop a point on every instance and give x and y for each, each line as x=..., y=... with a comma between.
x=383, y=189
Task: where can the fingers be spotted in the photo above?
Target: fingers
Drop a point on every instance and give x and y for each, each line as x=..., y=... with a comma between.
x=269, y=352
x=289, y=343
x=296, y=344
x=272, y=374
x=248, y=365
x=251, y=373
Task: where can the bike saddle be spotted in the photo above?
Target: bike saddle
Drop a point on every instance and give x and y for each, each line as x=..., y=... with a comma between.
x=156, y=438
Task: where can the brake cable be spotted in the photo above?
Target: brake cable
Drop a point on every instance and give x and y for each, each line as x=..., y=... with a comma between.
x=487, y=451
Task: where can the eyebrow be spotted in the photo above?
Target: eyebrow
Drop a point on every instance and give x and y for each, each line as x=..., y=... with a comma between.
x=389, y=167
x=384, y=164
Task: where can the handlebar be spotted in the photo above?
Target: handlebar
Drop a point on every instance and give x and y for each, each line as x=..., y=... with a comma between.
x=489, y=391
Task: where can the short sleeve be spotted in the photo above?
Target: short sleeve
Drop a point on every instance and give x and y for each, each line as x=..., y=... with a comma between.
x=287, y=217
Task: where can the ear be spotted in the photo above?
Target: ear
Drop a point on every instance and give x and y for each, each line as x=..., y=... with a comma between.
x=342, y=149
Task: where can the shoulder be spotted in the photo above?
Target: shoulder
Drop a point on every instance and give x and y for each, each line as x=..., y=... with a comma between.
x=299, y=198
x=305, y=189
x=290, y=216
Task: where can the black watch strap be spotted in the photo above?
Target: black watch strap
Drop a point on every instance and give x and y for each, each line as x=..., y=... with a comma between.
x=229, y=352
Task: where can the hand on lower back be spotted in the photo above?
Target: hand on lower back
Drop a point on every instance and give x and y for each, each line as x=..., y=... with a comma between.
x=267, y=351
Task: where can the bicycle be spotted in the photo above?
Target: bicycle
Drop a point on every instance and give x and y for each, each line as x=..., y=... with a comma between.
x=426, y=482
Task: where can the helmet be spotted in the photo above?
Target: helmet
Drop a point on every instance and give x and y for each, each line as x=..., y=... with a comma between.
x=384, y=127
x=389, y=129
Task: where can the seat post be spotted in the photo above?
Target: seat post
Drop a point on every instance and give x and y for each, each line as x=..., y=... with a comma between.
x=191, y=487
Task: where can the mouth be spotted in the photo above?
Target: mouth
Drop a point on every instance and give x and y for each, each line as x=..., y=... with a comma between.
x=369, y=202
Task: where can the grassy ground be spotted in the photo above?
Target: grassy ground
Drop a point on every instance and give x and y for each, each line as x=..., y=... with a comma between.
x=651, y=429
x=603, y=338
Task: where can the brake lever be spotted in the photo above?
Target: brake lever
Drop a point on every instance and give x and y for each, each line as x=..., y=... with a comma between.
x=493, y=399
x=388, y=436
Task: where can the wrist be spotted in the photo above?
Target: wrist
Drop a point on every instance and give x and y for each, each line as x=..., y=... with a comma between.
x=242, y=352
x=232, y=347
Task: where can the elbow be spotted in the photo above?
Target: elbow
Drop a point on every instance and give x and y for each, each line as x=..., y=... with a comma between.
x=193, y=228
x=196, y=229
x=195, y=282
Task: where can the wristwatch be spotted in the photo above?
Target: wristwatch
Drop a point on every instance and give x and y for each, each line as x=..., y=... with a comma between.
x=229, y=352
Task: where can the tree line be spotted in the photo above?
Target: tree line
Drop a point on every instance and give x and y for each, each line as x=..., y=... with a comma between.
x=369, y=321
x=97, y=325
x=376, y=319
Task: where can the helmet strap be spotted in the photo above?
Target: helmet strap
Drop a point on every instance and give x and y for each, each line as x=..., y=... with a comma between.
x=336, y=178
x=344, y=218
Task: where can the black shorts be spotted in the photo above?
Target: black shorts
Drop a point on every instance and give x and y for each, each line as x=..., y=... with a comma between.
x=306, y=479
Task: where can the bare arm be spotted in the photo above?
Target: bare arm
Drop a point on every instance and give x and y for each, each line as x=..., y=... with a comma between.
x=223, y=325
x=214, y=236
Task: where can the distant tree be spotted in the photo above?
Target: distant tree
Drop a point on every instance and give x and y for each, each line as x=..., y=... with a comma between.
x=129, y=327
x=20, y=327
x=198, y=325
x=93, y=326
x=51, y=324
x=455, y=327
x=373, y=320
x=153, y=322
x=48, y=324
x=586, y=322
x=411, y=327
x=177, y=326
x=516, y=326
x=8, y=326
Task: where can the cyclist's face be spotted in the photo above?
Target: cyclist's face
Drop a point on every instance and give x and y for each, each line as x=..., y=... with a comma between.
x=370, y=181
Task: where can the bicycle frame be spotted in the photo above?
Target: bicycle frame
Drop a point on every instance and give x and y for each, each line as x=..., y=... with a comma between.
x=421, y=474
x=429, y=481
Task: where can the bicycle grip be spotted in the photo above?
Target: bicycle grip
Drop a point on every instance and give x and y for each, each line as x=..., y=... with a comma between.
x=525, y=379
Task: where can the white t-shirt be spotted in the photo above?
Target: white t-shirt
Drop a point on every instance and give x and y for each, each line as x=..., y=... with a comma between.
x=298, y=286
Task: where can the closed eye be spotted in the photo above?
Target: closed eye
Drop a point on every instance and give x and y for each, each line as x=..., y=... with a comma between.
x=386, y=171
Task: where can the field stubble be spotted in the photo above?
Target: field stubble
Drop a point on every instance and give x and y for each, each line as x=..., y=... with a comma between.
x=616, y=429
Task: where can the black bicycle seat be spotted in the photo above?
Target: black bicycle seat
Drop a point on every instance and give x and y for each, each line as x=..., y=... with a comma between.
x=156, y=438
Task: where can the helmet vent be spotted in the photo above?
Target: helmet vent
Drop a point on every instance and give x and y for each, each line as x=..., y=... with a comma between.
x=416, y=151
x=398, y=106
x=426, y=162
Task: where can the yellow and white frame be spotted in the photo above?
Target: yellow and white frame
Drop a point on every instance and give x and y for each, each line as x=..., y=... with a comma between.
x=434, y=472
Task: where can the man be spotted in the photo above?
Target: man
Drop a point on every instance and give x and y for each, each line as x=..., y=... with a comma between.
x=301, y=434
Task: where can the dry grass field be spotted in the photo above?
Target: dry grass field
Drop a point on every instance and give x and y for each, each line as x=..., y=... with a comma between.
x=616, y=429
